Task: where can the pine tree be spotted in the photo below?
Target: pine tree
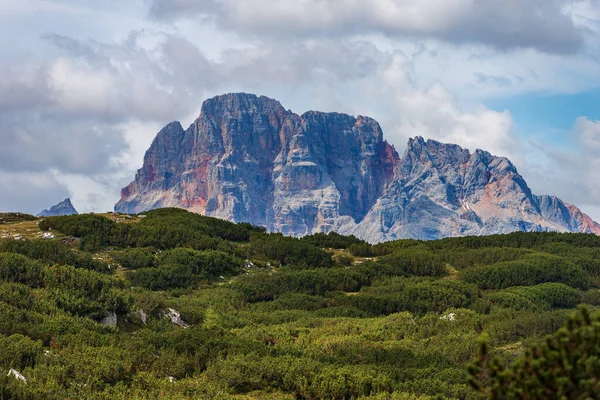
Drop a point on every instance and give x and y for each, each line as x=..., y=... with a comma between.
x=565, y=366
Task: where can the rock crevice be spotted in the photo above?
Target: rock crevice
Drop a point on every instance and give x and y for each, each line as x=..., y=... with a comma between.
x=248, y=159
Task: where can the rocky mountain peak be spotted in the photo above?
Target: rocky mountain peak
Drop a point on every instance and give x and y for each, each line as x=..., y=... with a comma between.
x=63, y=208
x=248, y=159
x=240, y=103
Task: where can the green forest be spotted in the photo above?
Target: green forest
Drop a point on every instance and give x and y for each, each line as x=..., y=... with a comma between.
x=174, y=305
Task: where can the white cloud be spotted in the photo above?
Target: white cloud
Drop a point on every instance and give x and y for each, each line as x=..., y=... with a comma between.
x=88, y=108
x=83, y=118
x=88, y=193
x=29, y=192
x=23, y=84
x=570, y=170
x=16, y=7
x=406, y=109
x=434, y=113
x=546, y=25
x=588, y=134
x=478, y=73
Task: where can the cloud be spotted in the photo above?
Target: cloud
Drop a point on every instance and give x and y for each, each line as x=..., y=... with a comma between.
x=74, y=112
x=23, y=85
x=392, y=94
x=37, y=133
x=79, y=113
x=588, y=134
x=435, y=113
x=29, y=192
x=88, y=109
x=172, y=75
x=571, y=170
x=546, y=25
x=34, y=141
x=112, y=81
x=67, y=113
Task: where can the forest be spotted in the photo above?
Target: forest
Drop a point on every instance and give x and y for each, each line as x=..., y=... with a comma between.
x=174, y=305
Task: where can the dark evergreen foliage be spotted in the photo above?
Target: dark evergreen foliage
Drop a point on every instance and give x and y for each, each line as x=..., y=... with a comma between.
x=267, y=316
x=53, y=252
x=532, y=270
x=10, y=218
x=289, y=251
x=332, y=240
x=565, y=365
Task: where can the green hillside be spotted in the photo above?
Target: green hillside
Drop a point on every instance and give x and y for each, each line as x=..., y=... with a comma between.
x=263, y=316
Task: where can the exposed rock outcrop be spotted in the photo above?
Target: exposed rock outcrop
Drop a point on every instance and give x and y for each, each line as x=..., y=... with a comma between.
x=247, y=159
x=63, y=208
x=143, y=316
x=174, y=316
x=110, y=320
x=17, y=375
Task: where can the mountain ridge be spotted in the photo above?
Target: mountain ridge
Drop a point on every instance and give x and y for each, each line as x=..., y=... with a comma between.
x=248, y=159
x=65, y=207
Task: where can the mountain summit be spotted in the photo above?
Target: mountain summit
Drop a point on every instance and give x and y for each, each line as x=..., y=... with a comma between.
x=63, y=208
x=248, y=159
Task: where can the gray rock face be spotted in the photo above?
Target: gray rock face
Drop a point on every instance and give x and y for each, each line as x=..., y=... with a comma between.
x=63, y=208
x=247, y=159
x=143, y=316
x=110, y=320
x=442, y=190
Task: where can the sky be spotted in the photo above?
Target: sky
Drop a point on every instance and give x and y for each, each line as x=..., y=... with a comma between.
x=86, y=85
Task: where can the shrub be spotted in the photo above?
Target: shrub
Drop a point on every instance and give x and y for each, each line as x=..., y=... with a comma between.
x=566, y=365
x=163, y=278
x=261, y=286
x=205, y=264
x=544, y=296
x=18, y=351
x=136, y=258
x=416, y=295
x=289, y=251
x=418, y=261
x=52, y=252
x=361, y=250
x=20, y=269
x=85, y=293
x=528, y=271
x=591, y=297
x=331, y=240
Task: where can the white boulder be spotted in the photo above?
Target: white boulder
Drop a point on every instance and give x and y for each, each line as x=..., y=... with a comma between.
x=174, y=316
x=17, y=375
x=448, y=317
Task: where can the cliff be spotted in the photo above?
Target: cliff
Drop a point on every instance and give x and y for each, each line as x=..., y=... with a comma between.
x=248, y=159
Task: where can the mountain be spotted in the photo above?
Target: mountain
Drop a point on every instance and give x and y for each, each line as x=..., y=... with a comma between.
x=63, y=208
x=246, y=158
x=443, y=190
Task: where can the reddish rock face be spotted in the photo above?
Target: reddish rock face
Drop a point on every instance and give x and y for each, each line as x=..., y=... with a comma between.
x=247, y=159
x=442, y=190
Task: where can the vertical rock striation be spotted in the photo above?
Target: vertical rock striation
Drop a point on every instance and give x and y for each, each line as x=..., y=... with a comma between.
x=247, y=159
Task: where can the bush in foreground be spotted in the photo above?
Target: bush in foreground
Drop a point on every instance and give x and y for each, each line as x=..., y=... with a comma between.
x=566, y=365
